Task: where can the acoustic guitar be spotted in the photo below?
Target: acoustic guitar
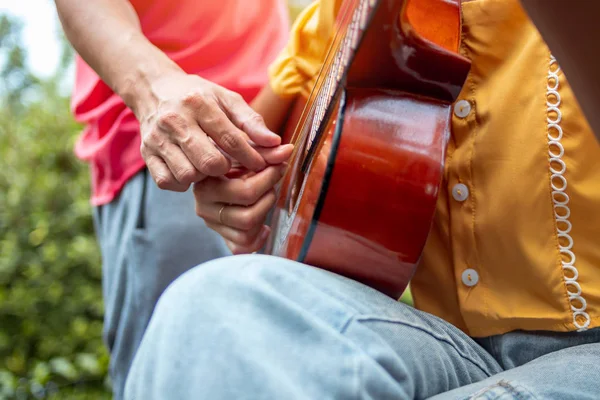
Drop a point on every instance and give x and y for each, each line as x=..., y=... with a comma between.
x=359, y=194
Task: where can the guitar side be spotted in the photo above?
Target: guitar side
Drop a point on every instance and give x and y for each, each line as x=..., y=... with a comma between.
x=370, y=218
x=360, y=199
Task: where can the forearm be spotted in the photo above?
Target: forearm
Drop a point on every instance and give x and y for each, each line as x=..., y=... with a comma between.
x=108, y=36
x=572, y=31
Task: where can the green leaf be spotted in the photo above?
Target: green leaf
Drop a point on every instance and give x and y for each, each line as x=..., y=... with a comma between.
x=88, y=363
x=8, y=384
x=41, y=372
x=64, y=368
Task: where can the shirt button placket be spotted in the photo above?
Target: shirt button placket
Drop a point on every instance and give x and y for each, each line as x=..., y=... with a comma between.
x=462, y=108
x=470, y=277
x=460, y=190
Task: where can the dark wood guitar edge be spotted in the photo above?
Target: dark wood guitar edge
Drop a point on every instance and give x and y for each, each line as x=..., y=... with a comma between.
x=337, y=135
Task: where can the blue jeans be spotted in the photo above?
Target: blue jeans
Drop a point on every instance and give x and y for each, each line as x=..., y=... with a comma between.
x=148, y=237
x=259, y=327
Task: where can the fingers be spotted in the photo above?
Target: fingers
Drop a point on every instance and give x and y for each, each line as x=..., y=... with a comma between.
x=217, y=125
x=178, y=154
x=241, y=227
x=276, y=155
x=237, y=217
x=243, y=191
x=162, y=175
x=271, y=155
x=237, y=236
x=248, y=120
x=180, y=166
x=201, y=151
x=175, y=128
x=200, y=129
x=237, y=208
x=257, y=244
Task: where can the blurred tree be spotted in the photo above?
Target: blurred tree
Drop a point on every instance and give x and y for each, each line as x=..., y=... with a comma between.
x=15, y=77
x=50, y=278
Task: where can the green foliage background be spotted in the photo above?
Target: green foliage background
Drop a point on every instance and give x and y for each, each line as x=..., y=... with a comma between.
x=50, y=293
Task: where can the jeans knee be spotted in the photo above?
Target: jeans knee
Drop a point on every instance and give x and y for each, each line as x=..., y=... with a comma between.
x=227, y=277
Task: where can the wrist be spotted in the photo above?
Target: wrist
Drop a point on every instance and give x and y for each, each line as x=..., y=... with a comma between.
x=137, y=88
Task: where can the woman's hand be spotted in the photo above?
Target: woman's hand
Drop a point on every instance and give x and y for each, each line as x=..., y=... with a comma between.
x=236, y=206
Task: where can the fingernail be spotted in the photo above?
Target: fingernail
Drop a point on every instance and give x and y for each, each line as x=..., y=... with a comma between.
x=270, y=131
x=266, y=130
x=282, y=169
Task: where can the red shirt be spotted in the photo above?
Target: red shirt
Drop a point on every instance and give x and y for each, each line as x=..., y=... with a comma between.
x=229, y=42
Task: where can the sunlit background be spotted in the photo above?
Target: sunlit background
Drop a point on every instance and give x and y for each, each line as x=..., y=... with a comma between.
x=50, y=293
x=39, y=34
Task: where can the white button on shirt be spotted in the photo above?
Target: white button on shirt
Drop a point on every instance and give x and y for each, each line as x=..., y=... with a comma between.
x=460, y=192
x=470, y=277
x=462, y=108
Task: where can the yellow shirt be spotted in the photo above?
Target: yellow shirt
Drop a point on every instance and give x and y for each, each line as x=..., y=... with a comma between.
x=516, y=244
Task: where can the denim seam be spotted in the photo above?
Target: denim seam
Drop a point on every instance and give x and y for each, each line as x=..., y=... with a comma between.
x=357, y=365
x=437, y=337
x=514, y=390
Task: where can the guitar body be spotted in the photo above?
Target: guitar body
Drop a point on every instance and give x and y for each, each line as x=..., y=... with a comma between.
x=359, y=195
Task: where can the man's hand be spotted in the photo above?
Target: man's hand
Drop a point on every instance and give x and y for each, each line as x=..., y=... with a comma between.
x=236, y=208
x=191, y=128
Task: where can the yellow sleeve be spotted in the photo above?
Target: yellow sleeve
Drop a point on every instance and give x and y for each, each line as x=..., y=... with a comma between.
x=299, y=62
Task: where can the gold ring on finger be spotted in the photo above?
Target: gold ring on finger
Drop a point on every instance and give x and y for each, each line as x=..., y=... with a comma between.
x=221, y=214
